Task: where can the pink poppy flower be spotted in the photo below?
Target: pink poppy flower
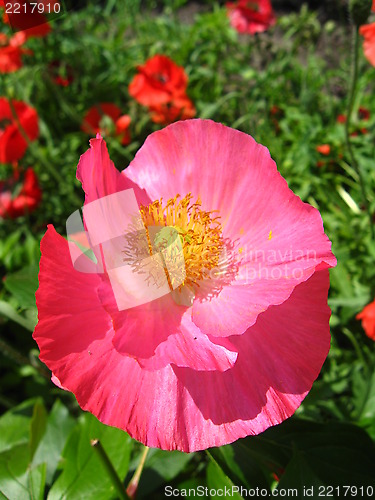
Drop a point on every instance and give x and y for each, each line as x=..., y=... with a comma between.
x=251, y=16
x=236, y=348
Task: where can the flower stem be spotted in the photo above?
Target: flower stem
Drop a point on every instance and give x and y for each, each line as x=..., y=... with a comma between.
x=357, y=349
x=15, y=356
x=133, y=484
x=353, y=85
x=111, y=471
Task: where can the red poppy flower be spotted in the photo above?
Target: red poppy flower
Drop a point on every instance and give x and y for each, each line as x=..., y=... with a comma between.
x=106, y=119
x=11, y=53
x=251, y=16
x=275, y=110
x=363, y=114
x=31, y=21
x=61, y=74
x=368, y=32
x=236, y=347
x=276, y=114
x=361, y=131
x=12, y=143
x=158, y=81
x=367, y=315
x=180, y=108
x=324, y=149
x=27, y=199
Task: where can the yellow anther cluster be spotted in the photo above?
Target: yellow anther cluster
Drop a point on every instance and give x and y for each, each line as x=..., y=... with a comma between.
x=200, y=233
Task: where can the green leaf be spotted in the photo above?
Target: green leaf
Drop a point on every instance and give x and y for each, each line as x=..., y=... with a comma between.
x=38, y=426
x=366, y=397
x=161, y=467
x=13, y=475
x=218, y=481
x=23, y=285
x=17, y=480
x=7, y=246
x=298, y=475
x=7, y=311
x=237, y=463
x=37, y=481
x=83, y=475
x=20, y=432
x=58, y=428
x=337, y=453
x=15, y=426
x=167, y=463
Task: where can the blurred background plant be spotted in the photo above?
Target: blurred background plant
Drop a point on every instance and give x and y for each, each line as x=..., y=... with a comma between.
x=288, y=87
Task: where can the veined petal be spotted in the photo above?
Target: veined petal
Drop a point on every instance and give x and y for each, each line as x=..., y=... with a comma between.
x=99, y=176
x=181, y=408
x=70, y=314
x=193, y=349
x=277, y=241
x=271, y=376
x=156, y=338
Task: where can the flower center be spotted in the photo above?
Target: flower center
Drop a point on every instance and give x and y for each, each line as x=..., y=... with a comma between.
x=199, y=231
x=161, y=78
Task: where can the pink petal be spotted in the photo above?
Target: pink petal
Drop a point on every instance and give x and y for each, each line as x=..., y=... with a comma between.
x=102, y=181
x=157, y=339
x=237, y=307
x=278, y=240
x=67, y=298
x=279, y=358
x=77, y=321
x=141, y=329
x=193, y=349
x=184, y=409
x=99, y=176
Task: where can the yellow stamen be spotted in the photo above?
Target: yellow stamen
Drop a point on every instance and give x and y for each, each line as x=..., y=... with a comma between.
x=199, y=232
